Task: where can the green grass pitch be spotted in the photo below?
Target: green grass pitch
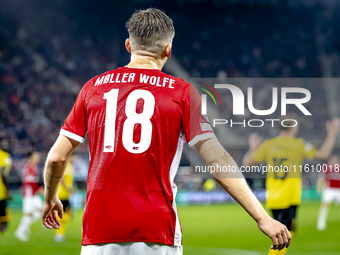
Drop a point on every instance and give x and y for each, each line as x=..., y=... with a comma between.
x=211, y=230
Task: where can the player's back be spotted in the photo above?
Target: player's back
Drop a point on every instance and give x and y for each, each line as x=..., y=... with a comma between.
x=136, y=123
x=289, y=152
x=284, y=156
x=135, y=120
x=30, y=180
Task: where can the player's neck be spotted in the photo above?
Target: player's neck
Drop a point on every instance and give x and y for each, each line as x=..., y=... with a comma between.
x=286, y=134
x=146, y=60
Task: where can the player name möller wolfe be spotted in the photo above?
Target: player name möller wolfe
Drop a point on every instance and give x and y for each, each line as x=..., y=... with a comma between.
x=130, y=77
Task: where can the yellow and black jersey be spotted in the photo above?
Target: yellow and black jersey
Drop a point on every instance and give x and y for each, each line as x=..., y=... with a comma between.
x=283, y=187
x=5, y=168
x=67, y=183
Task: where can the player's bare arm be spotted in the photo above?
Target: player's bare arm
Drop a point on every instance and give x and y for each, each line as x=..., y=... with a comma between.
x=254, y=142
x=326, y=148
x=54, y=170
x=213, y=154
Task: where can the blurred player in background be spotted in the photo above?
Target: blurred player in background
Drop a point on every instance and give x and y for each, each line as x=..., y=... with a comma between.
x=283, y=189
x=209, y=185
x=32, y=203
x=65, y=189
x=5, y=168
x=137, y=118
x=329, y=184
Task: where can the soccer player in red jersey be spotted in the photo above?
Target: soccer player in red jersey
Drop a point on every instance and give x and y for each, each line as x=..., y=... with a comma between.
x=32, y=203
x=329, y=184
x=137, y=119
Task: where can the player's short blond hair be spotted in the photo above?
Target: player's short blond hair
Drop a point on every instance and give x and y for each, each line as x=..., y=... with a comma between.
x=150, y=30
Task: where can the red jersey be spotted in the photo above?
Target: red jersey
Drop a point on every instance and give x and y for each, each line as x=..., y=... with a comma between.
x=137, y=121
x=30, y=179
x=332, y=177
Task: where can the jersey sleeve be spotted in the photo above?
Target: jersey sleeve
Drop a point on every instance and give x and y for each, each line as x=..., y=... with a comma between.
x=195, y=127
x=260, y=154
x=75, y=123
x=308, y=150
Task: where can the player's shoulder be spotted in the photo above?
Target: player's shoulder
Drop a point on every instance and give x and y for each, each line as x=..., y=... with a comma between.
x=96, y=78
x=305, y=145
x=267, y=141
x=25, y=169
x=178, y=80
x=178, y=84
x=277, y=141
x=5, y=156
x=91, y=84
x=286, y=139
x=28, y=167
x=295, y=142
x=107, y=77
x=154, y=77
x=303, y=142
x=2, y=154
x=184, y=90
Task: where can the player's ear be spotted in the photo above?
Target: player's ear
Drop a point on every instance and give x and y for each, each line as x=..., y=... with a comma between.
x=128, y=45
x=167, y=50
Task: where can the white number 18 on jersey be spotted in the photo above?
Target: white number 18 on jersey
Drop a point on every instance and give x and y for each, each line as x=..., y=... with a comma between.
x=133, y=118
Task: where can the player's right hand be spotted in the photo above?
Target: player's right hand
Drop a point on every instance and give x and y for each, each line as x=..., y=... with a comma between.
x=254, y=141
x=277, y=232
x=49, y=217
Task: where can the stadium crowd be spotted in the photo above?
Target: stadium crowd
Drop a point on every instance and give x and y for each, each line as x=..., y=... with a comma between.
x=45, y=57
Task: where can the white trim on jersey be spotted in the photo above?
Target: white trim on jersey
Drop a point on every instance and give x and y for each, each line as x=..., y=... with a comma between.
x=201, y=137
x=72, y=135
x=173, y=171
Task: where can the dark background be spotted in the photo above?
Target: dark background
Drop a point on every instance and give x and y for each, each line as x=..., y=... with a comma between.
x=49, y=49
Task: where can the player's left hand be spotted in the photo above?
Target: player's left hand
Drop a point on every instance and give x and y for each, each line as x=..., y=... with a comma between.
x=277, y=232
x=49, y=217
